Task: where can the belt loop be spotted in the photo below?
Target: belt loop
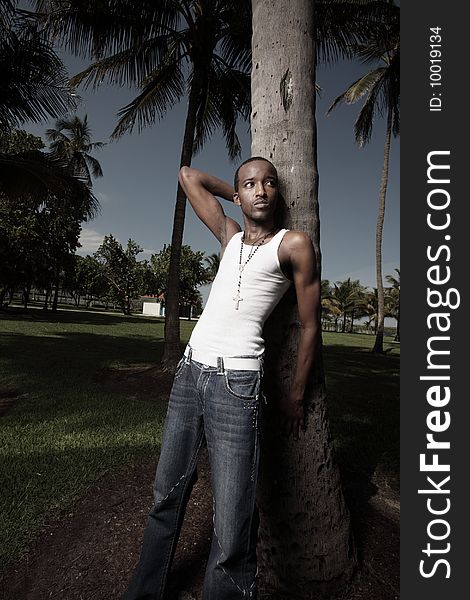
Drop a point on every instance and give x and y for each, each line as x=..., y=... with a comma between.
x=220, y=365
x=190, y=353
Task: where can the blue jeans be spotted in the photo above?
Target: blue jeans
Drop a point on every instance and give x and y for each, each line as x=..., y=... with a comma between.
x=221, y=408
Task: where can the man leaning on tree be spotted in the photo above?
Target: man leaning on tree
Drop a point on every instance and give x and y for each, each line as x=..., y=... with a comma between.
x=216, y=399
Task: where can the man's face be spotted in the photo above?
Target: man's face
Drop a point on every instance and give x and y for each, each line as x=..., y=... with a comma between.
x=257, y=190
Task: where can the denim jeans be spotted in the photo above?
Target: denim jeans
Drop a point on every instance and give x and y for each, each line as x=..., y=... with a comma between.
x=221, y=408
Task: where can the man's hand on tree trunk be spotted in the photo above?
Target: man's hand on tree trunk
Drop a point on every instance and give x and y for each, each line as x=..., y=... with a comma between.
x=293, y=411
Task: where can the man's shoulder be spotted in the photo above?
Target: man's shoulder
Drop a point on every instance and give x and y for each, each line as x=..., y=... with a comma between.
x=296, y=251
x=296, y=240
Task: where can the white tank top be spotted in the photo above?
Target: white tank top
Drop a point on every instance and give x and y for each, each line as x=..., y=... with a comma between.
x=225, y=331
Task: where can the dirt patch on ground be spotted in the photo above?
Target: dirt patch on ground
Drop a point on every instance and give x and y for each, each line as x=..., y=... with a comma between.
x=139, y=382
x=8, y=396
x=89, y=551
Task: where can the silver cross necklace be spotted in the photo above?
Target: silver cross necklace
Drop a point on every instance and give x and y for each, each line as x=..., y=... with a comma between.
x=237, y=299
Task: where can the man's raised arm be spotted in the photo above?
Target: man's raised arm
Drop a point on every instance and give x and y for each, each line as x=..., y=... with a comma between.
x=201, y=190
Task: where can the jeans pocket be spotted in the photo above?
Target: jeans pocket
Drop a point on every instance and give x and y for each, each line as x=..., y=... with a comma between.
x=243, y=384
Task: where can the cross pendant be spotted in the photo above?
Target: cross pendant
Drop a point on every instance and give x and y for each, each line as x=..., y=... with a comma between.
x=237, y=299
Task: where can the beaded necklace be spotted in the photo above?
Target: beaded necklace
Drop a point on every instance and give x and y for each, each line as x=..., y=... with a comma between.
x=237, y=299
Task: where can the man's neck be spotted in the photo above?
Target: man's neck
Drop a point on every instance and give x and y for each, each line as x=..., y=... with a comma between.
x=255, y=231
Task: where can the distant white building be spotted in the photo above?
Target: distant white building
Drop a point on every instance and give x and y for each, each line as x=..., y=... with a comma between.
x=153, y=306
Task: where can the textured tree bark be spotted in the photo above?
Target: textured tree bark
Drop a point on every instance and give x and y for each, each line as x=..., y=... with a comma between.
x=305, y=547
x=379, y=339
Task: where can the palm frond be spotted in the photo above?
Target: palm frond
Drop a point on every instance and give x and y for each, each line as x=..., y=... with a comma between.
x=365, y=120
x=160, y=91
x=235, y=44
x=39, y=176
x=134, y=64
x=94, y=30
x=93, y=165
x=225, y=98
x=342, y=25
x=34, y=81
x=358, y=89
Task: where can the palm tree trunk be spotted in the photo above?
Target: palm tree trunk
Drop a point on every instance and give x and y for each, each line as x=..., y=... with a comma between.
x=2, y=297
x=379, y=339
x=56, y=292
x=46, y=300
x=304, y=540
x=172, y=347
x=352, y=321
x=397, y=335
x=27, y=287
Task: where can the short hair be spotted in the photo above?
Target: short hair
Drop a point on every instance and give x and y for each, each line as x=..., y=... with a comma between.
x=248, y=160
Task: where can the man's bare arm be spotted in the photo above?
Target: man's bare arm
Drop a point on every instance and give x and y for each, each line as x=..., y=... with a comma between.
x=307, y=286
x=201, y=190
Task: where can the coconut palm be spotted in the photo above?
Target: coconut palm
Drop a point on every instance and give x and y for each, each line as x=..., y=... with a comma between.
x=170, y=49
x=329, y=310
x=300, y=494
x=370, y=310
x=213, y=262
x=295, y=502
x=381, y=89
x=71, y=140
x=347, y=296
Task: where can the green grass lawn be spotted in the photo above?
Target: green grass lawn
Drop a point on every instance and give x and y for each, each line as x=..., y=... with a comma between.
x=65, y=431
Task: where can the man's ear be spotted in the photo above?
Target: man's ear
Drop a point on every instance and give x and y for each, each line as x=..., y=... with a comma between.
x=236, y=199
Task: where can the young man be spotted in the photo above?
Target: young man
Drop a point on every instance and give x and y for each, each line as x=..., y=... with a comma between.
x=215, y=397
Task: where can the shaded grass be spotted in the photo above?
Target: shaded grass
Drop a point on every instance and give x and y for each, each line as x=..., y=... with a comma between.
x=66, y=432
x=364, y=409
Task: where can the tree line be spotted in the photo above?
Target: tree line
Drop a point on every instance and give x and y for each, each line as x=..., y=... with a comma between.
x=111, y=275
x=347, y=302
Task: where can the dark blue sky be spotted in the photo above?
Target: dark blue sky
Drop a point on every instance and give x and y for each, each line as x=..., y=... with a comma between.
x=137, y=192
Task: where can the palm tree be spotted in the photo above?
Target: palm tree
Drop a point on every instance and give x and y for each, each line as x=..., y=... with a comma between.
x=381, y=88
x=370, y=310
x=305, y=547
x=71, y=140
x=169, y=49
x=213, y=262
x=305, y=544
x=328, y=305
x=393, y=300
x=347, y=296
